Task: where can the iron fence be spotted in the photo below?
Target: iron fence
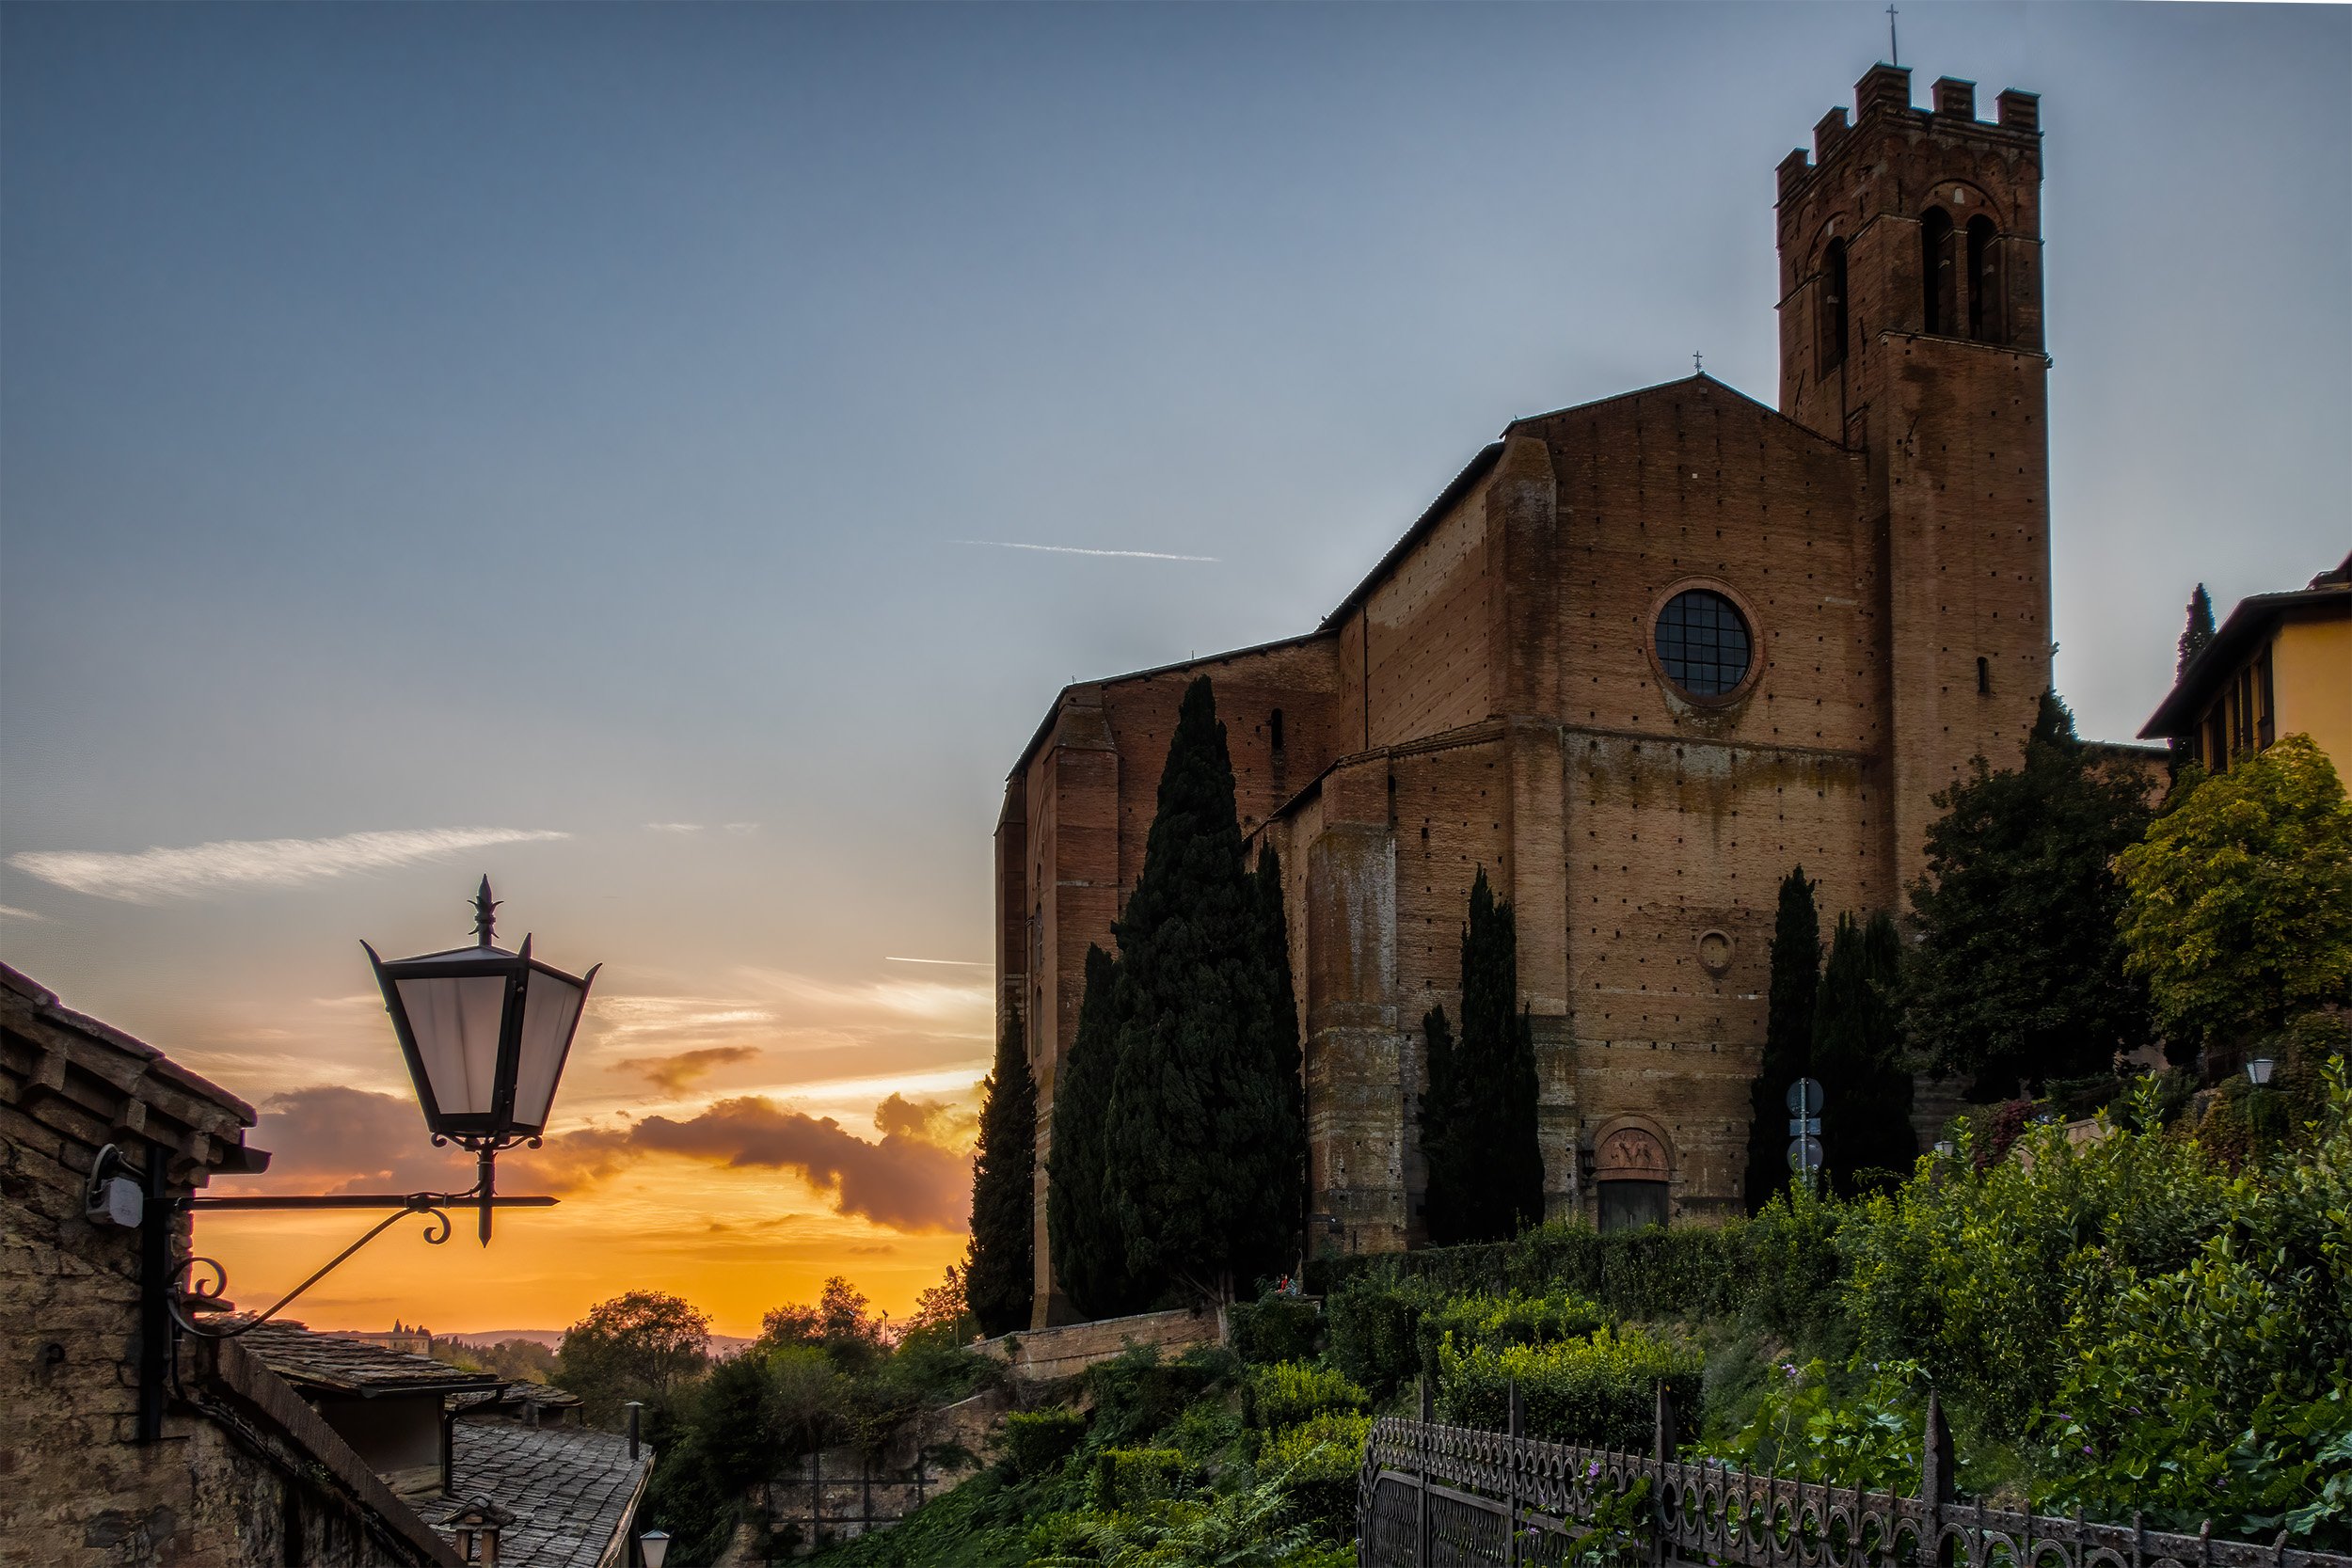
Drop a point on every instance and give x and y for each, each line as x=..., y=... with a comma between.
x=1431, y=1495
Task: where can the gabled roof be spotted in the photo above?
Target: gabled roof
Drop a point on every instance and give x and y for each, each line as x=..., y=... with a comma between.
x=570, y=1492
x=327, y=1364
x=2329, y=596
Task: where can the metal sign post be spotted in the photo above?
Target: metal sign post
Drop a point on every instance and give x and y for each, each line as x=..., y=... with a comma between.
x=1806, y=1099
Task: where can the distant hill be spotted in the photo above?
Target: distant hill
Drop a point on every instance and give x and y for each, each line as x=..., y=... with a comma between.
x=726, y=1344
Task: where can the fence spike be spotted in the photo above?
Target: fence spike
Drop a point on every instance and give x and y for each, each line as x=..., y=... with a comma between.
x=1935, y=1466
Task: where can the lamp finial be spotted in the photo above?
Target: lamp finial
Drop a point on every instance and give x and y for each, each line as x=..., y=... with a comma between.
x=484, y=913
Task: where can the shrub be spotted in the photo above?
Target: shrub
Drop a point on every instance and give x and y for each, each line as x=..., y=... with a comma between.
x=1868, y=1439
x=1273, y=1328
x=1121, y=1478
x=1600, y=1390
x=1793, y=1259
x=1315, y=1464
x=1037, y=1441
x=1371, y=1334
x=1976, y=1273
x=1294, y=1391
x=1513, y=1318
x=1136, y=1394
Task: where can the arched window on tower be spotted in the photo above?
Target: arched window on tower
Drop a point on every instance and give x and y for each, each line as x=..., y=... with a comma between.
x=1939, y=285
x=1833, y=347
x=1984, y=282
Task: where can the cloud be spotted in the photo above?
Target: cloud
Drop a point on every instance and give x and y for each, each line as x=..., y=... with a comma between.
x=154, y=875
x=673, y=826
x=957, y=963
x=354, y=1141
x=932, y=1121
x=739, y=828
x=351, y=1140
x=9, y=911
x=676, y=1074
x=1073, y=549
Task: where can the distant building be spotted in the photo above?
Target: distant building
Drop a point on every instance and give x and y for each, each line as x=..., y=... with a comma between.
x=2282, y=664
x=1637, y=660
x=128, y=1444
x=407, y=1338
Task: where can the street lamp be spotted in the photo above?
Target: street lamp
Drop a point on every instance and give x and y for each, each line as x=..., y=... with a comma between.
x=485, y=1032
x=2258, y=1071
x=654, y=1546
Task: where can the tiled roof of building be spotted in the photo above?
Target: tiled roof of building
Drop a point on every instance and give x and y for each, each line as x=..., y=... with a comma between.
x=570, y=1491
x=339, y=1366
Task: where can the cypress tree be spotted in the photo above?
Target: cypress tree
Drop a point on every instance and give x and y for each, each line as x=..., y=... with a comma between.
x=999, y=1266
x=2018, y=976
x=1201, y=1130
x=1796, y=958
x=1282, y=1049
x=1485, y=1166
x=1857, y=1055
x=1082, y=1234
x=1448, y=1165
x=2198, y=632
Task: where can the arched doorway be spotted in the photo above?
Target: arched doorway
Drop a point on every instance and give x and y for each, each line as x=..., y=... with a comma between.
x=1632, y=1169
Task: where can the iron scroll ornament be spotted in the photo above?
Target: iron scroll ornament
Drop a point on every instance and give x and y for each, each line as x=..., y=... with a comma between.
x=200, y=1284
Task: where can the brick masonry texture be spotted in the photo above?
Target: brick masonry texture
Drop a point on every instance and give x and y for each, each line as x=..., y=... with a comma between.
x=1491, y=696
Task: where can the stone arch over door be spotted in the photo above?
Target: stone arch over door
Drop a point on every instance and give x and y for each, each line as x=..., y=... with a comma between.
x=1632, y=1173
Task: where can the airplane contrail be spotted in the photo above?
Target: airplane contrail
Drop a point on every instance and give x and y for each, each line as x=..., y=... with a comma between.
x=1073, y=549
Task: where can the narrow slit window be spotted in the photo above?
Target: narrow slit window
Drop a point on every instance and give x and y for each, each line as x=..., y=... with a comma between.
x=1984, y=282
x=1273, y=728
x=1833, y=322
x=1984, y=677
x=1936, y=281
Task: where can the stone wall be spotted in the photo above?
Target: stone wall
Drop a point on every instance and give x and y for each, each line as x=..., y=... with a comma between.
x=1045, y=1355
x=237, y=1470
x=840, y=1494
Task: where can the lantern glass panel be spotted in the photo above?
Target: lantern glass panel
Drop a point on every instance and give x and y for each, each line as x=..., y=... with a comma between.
x=455, y=1022
x=551, y=1006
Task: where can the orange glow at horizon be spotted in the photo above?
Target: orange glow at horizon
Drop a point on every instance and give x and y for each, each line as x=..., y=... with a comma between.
x=734, y=1243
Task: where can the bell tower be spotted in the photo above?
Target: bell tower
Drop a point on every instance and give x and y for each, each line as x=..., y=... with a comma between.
x=1910, y=331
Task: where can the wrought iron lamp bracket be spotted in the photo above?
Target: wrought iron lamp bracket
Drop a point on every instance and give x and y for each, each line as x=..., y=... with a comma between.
x=194, y=1295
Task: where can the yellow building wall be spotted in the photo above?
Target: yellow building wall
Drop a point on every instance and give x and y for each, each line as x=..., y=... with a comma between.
x=2311, y=672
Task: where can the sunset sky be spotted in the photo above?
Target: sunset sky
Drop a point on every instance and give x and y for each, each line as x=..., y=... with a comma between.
x=669, y=457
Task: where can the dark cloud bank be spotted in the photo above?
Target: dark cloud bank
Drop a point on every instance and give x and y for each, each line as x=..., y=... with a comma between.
x=359, y=1141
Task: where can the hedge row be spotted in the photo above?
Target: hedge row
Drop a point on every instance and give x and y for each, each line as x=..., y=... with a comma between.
x=1779, y=1269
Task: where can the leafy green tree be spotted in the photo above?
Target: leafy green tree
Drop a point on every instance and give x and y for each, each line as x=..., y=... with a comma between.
x=1000, y=1266
x=1788, y=1035
x=644, y=1345
x=1082, y=1232
x=839, y=1326
x=1478, y=1119
x=1865, y=1117
x=2239, y=910
x=1202, y=1132
x=2198, y=632
x=2018, y=974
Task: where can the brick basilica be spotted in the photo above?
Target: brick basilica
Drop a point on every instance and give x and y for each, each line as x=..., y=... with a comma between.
x=1637, y=660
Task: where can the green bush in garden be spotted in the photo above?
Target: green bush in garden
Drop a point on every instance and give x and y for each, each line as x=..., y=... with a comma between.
x=1273, y=1328
x=1370, y=1334
x=1037, y=1441
x=2221, y=1383
x=1984, y=1276
x=1129, y=1477
x=1600, y=1390
x=1513, y=1318
x=1315, y=1464
x=1294, y=1391
x=1802, y=1428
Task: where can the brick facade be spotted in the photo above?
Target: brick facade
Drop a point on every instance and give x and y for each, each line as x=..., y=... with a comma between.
x=1492, y=695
